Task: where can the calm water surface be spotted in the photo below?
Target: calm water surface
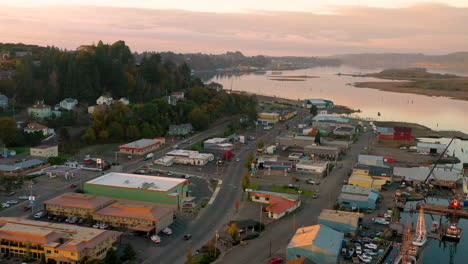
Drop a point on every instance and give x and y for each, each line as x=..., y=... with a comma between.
x=438, y=113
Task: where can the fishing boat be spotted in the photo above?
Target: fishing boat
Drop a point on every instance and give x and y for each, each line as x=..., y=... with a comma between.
x=453, y=232
x=420, y=236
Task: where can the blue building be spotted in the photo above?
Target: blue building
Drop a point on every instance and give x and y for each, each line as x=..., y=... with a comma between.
x=346, y=222
x=317, y=243
x=358, y=197
x=319, y=103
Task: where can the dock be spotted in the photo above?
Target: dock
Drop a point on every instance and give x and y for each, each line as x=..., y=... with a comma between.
x=441, y=210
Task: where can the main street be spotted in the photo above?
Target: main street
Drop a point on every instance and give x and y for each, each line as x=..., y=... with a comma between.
x=278, y=234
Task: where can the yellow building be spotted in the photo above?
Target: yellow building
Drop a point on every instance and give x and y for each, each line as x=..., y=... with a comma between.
x=58, y=243
x=118, y=213
x=370, y=176
x=275, y=116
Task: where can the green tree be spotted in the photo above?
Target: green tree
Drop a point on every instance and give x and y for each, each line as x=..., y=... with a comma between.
x=199, y=119
x=8, y=130
x=64, y=134
x=245, y=181
x=233, y=231
x=313, y=110
x=128, y=253
x=260, y=144
x=250, y=160
x=103, y=135
x=111, y=257
x=133, y=132
x=89, y=136
x=317, y=137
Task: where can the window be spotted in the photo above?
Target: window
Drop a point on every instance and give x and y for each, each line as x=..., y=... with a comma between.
x=73, y=254
x=267, y=198
x=48, y=251
x=256, y=197
x=56, y=251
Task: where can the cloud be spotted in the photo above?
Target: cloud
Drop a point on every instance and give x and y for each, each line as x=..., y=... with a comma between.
x=428, y=28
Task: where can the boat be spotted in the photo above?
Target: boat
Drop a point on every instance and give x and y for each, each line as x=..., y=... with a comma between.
x=420, y=237
x=435, y=226
x=453, y=232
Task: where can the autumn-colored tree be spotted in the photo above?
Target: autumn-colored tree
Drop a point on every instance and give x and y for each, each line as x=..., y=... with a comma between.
x=103, y=135
x=211, y=247
x=233, y=231
x=249, y=161
x=260, y=144
x=189, y=256
x=89, y=136
x=245, y=181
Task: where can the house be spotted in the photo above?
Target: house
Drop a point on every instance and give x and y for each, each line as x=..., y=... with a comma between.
x=104, y=99
x=124, y=101
x=68, y=103
x=342, y=221
x=171, y=100
x=319, y=103
x=371, y=160
x=53, y=243
x=431, y=148
x=444, y=177
x=311, y=166
x=142, y=146
x=279, y=204
x=165, y=191
x=36, y=127
x=40, y=110
x=394, y=133
x=357, y=197
x=45, y=151
x=317, y=243
x=3, y=101
x=190, y=157
x=181, y=130
x=179, y=95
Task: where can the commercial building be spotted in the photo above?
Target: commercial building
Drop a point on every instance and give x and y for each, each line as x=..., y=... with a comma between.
x=394, y=133
x=317, y=243
x=319, y=103
x=267, y=119
x=311, y=166
x=180, y=130
x=431, y=148
x=344, y=130
x=142, y=146
x=295, y=141
x=440, y=176
x=342, y=221
x=59, y=170
x=273, y=163
x=295, y=156
x=335, y=118
x=118, y=213
x=218, y=144
x=371, y=160
x=45, y=151
x=24, y=167
x=357, y=197
x=165, y=161
x=322, y=152
x=58, y=243
x=370, y=176
x=279, y=204
x=190, y=157
x=165, y=191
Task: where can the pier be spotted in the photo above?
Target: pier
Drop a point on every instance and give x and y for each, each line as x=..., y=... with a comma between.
x=441, y=210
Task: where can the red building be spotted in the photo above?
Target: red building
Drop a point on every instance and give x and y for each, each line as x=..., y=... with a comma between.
x=395, y=133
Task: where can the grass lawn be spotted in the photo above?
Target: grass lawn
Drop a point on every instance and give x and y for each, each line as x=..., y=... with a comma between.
x=286, y=189
x=253, y=186
x=20, y=150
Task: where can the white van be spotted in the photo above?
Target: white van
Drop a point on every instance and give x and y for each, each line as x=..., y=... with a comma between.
x=40, y=214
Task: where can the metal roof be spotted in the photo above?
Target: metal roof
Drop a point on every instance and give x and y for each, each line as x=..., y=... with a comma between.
x=420, y=173
x=320, y=236
x=370, y=157
x=352, y=189
x=431, y=145
x=21, y=165
x=136, y=181
x=348, y=218
x=139, y=144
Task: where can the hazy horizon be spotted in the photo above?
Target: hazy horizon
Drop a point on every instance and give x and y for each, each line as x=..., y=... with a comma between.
x=318, y=30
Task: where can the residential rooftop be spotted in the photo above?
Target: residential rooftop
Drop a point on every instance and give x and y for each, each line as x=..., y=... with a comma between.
x=136, y=181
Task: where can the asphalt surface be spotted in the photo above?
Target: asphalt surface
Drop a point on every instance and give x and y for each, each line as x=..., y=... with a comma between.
x=278, y=234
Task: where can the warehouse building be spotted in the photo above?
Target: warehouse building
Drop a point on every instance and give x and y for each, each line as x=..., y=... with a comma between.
x=430, y=148
x=142, y=146
x=336, y=118
x=394, y=133
x=311, y=166
x=267, y=119
x=317, y=243
x=356, y=197
x=24, y=167
x=342, y=221
x=45, y=151
x=371, y=160
x=56, y=243
x=169, y=192
x=322, y=152
x=76, y=204
x=190, y=157
x=319, y=103
x=344, y=130
x=443, y=177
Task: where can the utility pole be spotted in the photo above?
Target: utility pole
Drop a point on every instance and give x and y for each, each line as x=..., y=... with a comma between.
x=216, y=242
x=261, y=211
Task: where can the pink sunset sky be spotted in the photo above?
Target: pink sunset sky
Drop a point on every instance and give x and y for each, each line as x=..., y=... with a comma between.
x=294, y=27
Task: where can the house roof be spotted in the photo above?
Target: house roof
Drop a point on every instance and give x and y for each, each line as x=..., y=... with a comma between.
x=140, y=144
x=136, y=181
x=278, y=202
x=321, y=236
x=35, y=127
x=79, y=200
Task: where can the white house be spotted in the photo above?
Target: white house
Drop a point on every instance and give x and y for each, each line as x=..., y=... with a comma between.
x=35, y=127
x=68, y=103
x=104, y=99
x=124, y=101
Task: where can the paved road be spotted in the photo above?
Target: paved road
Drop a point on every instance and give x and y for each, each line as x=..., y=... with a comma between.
x=280, y=232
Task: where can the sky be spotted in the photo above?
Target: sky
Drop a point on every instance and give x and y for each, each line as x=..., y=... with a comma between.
x=294, y=27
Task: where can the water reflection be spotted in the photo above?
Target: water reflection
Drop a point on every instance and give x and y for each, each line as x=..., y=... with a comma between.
x=438, y=113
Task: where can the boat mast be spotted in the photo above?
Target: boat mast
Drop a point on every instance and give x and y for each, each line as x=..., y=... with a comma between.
x=421, y=226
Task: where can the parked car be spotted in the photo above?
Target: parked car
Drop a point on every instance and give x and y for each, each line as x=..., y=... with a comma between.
x=156, y=239
x=5, y=205
x=80, y=221
x=276, y=261
x=351, y=252
x=55, y=218
x=73, y=220
x=366, y=260
x=40, y=214
x=26, y=208
x=237, y=159
x=103, y=226
x=167, y=231
x=369, y=252
x=11, y=193
x=315, y=196
x=187, y=236
x=23, y=197
x=72, y=186
x=96, y=226
x=371, y=246
x=12, y=202
x=310, y=181
x=293, y=186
